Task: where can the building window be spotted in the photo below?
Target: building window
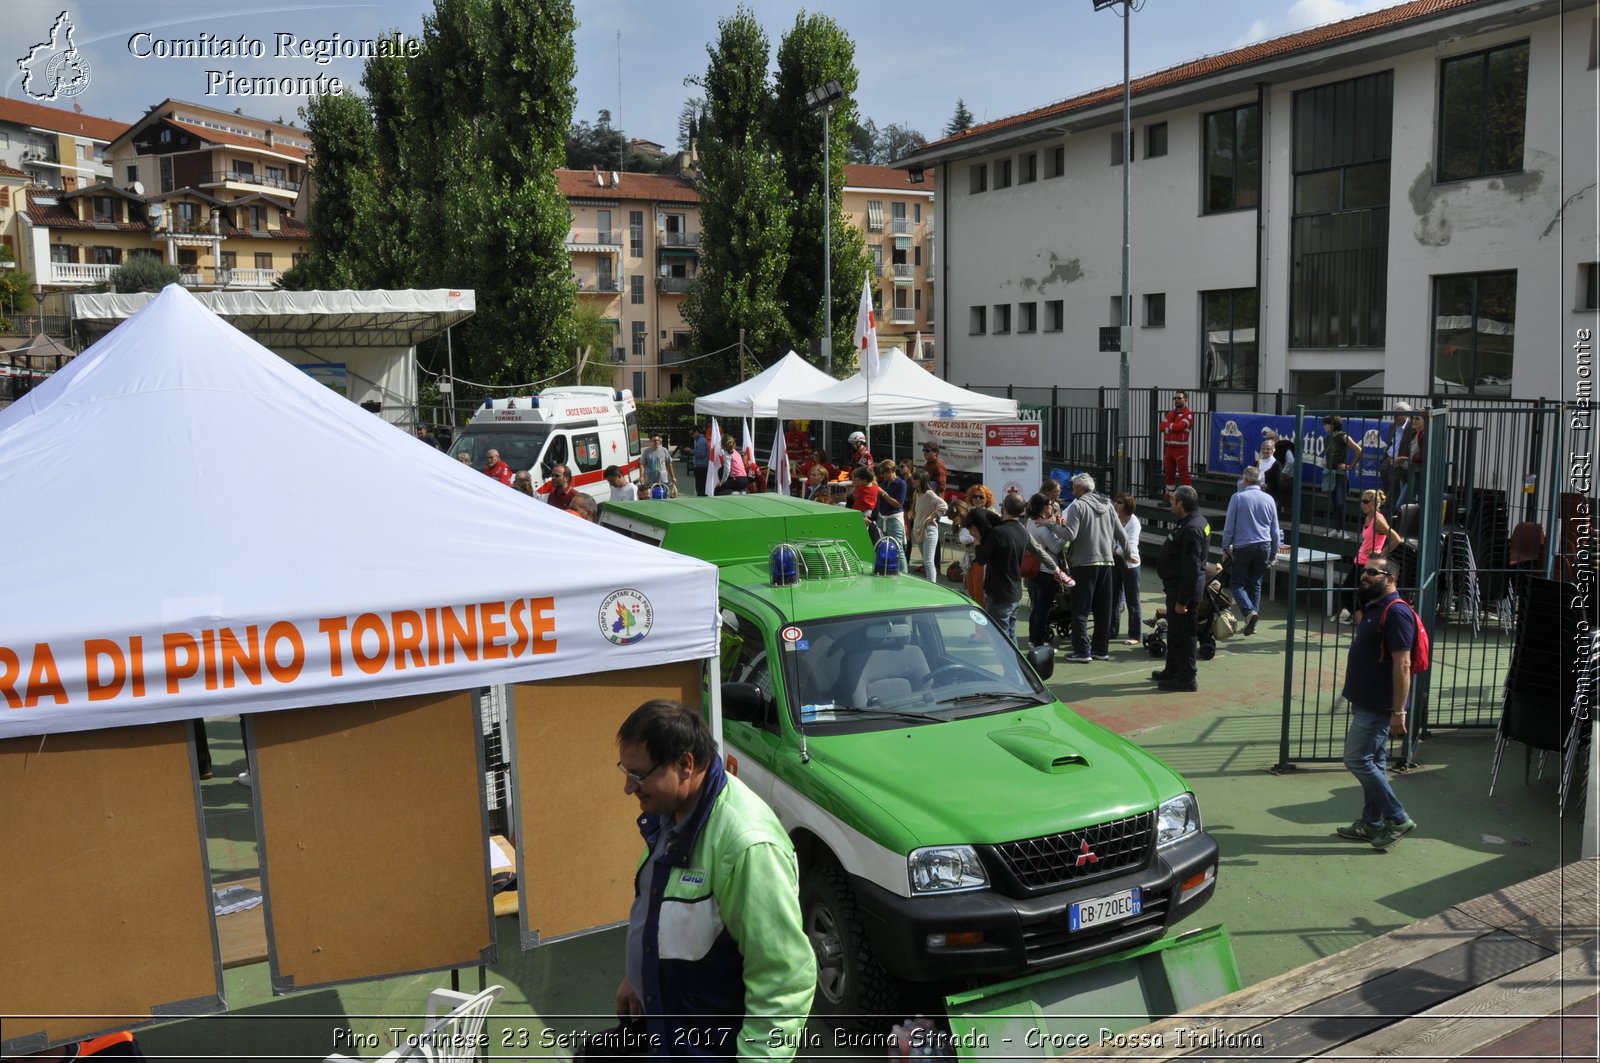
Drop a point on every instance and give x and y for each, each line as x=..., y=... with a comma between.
x=916, y=254
x=916, y=299
x=602, y=227
x=144, y=252
x=5, y=196
x=1116, y=148
x=1055, y=315
x=230, y=260
x=1155, y=310
x=916, y=213
x=1228, y=349
x=1474, y=333
x=1002, y=319
x=1028, y=168
x=638, y=339
x=255, y=218
x=1056, y=161
x=63, y=254
x=877, y=258
x=103, y=210
x=1155, y=140
x=108, y=256
x=1339, y=234
x=1483, y=107
x=166, y=173
x=1233, y=158
x=875, y=215
x=133, y=174
x=1027, y=317
x=636, y=290
x=978, y=176
x=635, y=234
x=277, y=176
x=1002, y=173
x=638, y=384
x=263, y=260
x=978, y=323
x=1589, y=296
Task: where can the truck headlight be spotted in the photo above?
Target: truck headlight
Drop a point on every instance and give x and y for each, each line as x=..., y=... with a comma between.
x=943, y=868
x=1176, y=819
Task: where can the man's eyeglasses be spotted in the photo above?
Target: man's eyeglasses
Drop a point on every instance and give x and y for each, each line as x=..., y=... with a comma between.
x=1374, y=572
x=637, y=777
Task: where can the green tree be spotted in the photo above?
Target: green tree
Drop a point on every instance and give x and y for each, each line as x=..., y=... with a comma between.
x=16, y=296
x=143, y=273
x=745, y=208
x=592, y=331
x=895, y=141
x=814, y=52
x=341, y=133
x=961, y=121
x=588, y=146
x=864, y=143
x=689, y=119
x=392, y=255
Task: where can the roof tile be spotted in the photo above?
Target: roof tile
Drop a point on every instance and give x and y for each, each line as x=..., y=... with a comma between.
x=581, y=184
x=60, y=121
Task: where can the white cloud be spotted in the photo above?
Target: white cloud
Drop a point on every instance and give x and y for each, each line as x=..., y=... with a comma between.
x=1304, y=14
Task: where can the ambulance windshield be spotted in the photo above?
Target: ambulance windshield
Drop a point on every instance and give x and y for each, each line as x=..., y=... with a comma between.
x=519, y=444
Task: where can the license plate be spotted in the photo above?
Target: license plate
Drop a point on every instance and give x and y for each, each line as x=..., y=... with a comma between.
x=1086, y=915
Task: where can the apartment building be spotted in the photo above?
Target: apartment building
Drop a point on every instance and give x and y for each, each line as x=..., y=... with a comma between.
x=56, y=148
x=212, y=192
x=635, y=248
x=1399, y=202
x=895, y=210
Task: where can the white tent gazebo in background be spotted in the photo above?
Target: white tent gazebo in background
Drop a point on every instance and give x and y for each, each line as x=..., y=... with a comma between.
x=901, y=391
x=758, y=396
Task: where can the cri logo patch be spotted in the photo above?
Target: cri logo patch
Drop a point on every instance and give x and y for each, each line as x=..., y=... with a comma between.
x=625, y=616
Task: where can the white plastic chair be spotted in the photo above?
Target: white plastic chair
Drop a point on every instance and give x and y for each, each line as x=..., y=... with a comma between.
x=451, y=1037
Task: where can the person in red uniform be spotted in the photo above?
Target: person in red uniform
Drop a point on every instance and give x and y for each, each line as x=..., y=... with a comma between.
x=859, y=454
x=561, y=490
x=1174, y=429
x=493, y=466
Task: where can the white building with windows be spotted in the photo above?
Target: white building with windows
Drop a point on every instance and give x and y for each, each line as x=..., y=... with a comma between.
x=1409, y=193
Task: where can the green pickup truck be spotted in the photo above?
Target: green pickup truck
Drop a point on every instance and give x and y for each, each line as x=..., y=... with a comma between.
x=956, y=823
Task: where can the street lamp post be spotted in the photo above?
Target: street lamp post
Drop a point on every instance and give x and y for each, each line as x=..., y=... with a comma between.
x=822, y=99
x=1126, y=332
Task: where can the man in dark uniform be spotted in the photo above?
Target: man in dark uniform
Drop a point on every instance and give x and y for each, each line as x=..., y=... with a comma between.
x=1182, y=568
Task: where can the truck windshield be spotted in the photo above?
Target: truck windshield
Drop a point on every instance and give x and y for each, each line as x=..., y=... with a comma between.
x=928, y=662
x=519, y=445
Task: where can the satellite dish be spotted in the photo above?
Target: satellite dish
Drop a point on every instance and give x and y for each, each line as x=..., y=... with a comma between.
x=137, y=187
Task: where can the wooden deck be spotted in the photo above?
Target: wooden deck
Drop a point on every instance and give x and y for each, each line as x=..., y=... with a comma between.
x=1511, y=975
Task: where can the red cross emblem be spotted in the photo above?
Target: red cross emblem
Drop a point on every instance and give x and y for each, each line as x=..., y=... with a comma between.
x=613, y=446
x=1086, y=855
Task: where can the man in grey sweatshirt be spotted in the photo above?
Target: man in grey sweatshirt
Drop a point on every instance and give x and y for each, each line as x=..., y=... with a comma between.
x=1094, y=530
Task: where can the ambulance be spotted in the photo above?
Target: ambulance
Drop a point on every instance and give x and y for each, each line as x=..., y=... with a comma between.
x=583, y=428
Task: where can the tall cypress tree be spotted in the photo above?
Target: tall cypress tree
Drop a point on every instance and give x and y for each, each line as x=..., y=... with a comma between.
x=745, y=209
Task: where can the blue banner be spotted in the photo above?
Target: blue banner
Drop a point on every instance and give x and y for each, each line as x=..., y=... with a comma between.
x=1236, y=442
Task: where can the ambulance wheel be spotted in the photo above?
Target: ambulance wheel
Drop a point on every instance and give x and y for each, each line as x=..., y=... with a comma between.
x=853, y=991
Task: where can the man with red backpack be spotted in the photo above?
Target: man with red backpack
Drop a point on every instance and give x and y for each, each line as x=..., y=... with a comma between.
x=1389, y=646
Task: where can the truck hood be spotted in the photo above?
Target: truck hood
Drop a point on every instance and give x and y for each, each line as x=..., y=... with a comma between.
x=996, y=778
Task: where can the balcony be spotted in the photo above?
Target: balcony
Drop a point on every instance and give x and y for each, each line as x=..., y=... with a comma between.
x=598, y=282
x=79, y=273
x=247, y=278
x=902, y=315
x=671, y=355
x=903, y=272
x=594, y=240
x=903, y=227
x=673, y=285
x=666, y=239
x=254, y=180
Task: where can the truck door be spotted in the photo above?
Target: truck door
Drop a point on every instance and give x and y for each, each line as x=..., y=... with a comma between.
x=757, y=746
x=555, y=453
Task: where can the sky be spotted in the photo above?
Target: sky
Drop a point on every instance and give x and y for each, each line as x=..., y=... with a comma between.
x=915, y=60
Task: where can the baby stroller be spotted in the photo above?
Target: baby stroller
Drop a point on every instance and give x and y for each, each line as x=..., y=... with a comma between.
x=1214, y=618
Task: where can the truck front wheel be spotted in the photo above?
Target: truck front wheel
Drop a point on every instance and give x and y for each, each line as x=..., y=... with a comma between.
x=853, y=990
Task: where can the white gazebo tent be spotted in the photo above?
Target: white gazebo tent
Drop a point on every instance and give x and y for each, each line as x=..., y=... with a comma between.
x=758, y=396
x=901, y=391
x=197, y=528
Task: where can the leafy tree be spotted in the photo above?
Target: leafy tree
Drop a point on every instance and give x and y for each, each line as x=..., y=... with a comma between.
x=392, y=254
x=16, y=296
x=599, y=145
x=961, y=121
x=689, y=121
x=896, y=141
x=341, y=131
x=863, y=148
x=143, y=273
x=815, y=51
x=591, y=330
x=744, y=208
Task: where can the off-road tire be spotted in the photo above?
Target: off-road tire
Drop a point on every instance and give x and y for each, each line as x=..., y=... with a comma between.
x=854, y=992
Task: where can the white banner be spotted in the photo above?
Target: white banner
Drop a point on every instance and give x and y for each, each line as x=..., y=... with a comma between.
x=1013, y=458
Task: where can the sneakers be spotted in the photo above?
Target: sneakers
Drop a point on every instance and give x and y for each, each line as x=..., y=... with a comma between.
x=1391, y=833
x=1356, y=832
x=1250, y=624
x=1102, y=656
x=1079, y=660
x=244, y=779
x=1344, y=616
x=1130, y=642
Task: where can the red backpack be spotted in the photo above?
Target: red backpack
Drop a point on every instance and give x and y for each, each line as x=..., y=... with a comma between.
x=1420, y=653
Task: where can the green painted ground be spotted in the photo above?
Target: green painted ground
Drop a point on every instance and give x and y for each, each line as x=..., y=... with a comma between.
x=1289, y=890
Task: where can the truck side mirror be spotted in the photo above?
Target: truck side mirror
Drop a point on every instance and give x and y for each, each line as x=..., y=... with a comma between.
x=1043, y=659
x=745, y=703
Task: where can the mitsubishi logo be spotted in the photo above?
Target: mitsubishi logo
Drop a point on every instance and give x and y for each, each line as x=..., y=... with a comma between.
x=1086, y=855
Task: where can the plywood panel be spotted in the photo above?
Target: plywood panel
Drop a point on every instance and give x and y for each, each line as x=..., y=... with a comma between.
x=105, y=896
x=373, y=839
x=579, y=843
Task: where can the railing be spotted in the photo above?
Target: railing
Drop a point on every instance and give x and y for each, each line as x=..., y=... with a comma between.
x=36, y=155
x=598, y=282
x=901, y=315
x=666, y=239
x=79, y=273
x=673, y=285
x=902, y=227
x=903, y=271
x=256, y=179
x=605, y=237
x=248, y=278
x=189, y=278
x=671, y=355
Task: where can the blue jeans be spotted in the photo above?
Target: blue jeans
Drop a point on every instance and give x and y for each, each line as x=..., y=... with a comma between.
x=1127, y=585
x=1337, y=483
x=1366, y=755
x=1004, y=614
x=1249, y=567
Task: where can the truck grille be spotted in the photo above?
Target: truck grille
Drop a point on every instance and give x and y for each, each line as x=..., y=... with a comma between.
x=1079, y=855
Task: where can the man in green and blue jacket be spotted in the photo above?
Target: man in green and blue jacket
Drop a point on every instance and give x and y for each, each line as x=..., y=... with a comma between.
x=718, y=964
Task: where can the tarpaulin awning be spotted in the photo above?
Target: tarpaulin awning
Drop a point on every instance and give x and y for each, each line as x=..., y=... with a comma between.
x=902, y=391
x=758, y=396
